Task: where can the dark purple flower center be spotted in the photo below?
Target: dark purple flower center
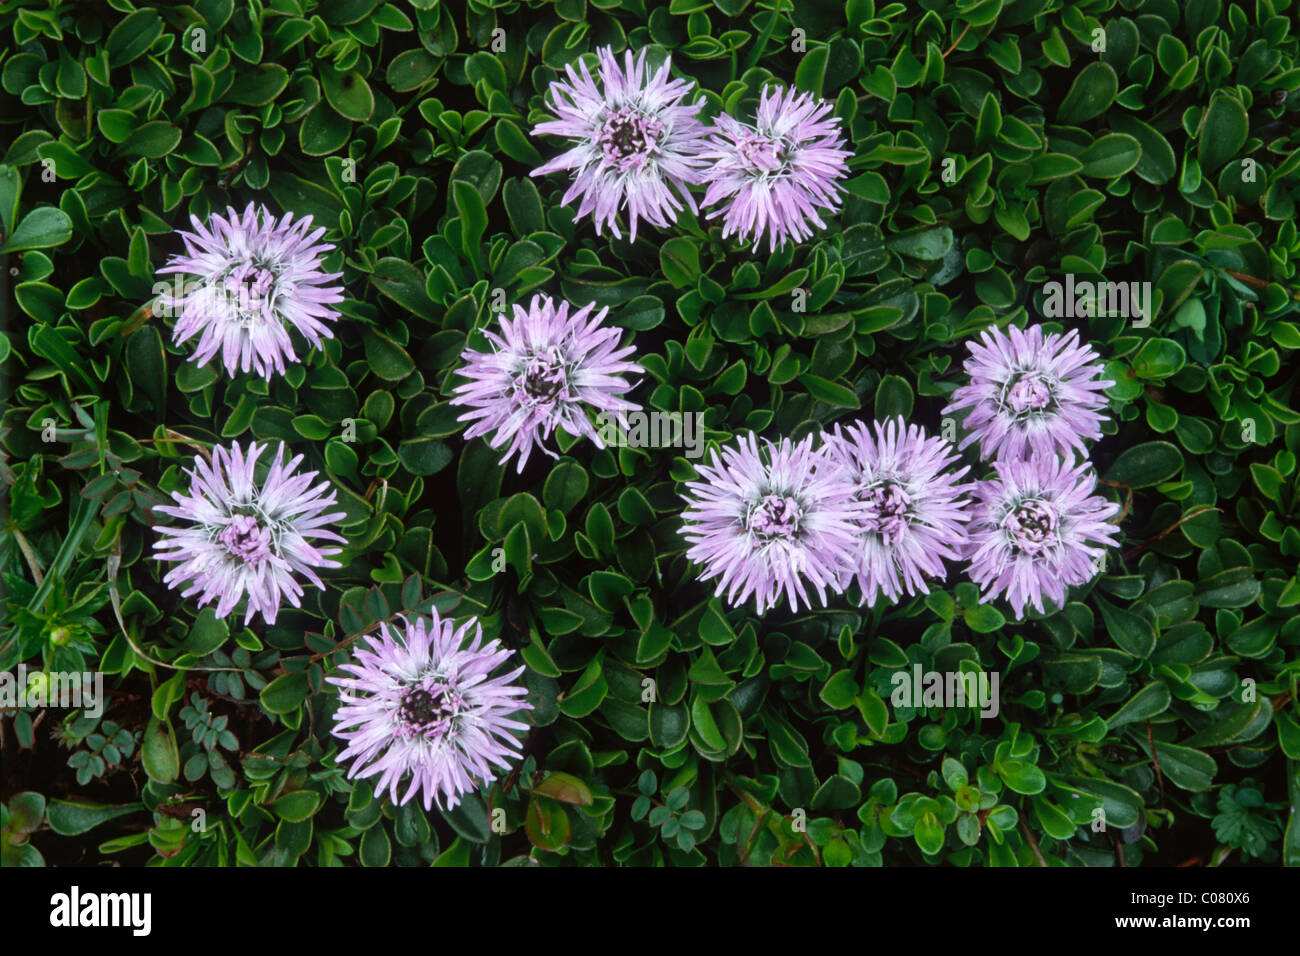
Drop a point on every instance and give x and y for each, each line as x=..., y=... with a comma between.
x=246, y=538
x=1032, y=526
x=888, y=507
x=628, y=138
x=544, y=376
x=1027, y=393
x=775, y=516
x=429, y=708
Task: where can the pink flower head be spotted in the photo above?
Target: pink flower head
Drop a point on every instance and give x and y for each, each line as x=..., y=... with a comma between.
x=775, y=176
x=916, y=509
x=425, y=708
x=1036, y=529
x=634, y=141
x=244, y=538
x=255, y=279
x=1031, y=393
x=769, y=523
x=546, y=368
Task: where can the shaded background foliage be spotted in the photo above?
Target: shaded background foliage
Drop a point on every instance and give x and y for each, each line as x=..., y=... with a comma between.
x=403, y=130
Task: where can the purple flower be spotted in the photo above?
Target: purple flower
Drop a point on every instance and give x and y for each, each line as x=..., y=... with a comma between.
x=426, y=706
x=634, y=141
x=774, y=176
x=255, y=278
x=544, y=368
x=764, y=523
x=915, y=509
x=1031, y=394
x=242, y=538
x=1036, y=529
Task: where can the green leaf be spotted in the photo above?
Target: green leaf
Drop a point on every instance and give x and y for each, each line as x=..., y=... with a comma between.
x=386, y=358
x=146, y=361
x=1268, y=480
x=641, y=314
x=1151, y=700
x=1111, y=156
x=158, y=753
x=928, y=833
x=1157, y=164
x=930, y=244
x=829, y=392
x=1234, y=587
x=480, y=170
x=679, y=259
x=26, y=812
x=376, y=848
x=75, y=817
x=954, y=774
x=515, y=144
x=424, y=456
x=1090, y=95
x=524, y=206
x=587, y=692
x=1049, y=166
x=715, y=630
x=403, y=283
x=811, y=71
x=1021, y=776
x=132, y=36
x=1147, y=464
x=411, y=69
x=470, y=818
x=839, y=692
x=473, y=217
x=1288, y=734
x=306, y=198
x=153, y=140
x=669, y=725
x=259, y=85
x=1223, y=132
x=874, y=711
x=348, y=93
x=984, y=619
x=1122, y=805
x=1159, y=358
x=547, y=824
x=456, y=855
x=1187, y=767
x=285, y=693
x=297, y=806
x=565, y=486
x=1053, y=820
x=1131, y=632
x=894, y=398
x=41, y=228
x=323, y=131
x=566, y=788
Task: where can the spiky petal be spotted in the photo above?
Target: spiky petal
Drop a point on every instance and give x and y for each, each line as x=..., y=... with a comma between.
x=1031, y=393
x=769, y=523
x=916, y=508
x=634, y=141
x=243, y=538
x=546, y=367
x=254, y=279
x=1037, y=528
x=421, y=708
x=775, y=178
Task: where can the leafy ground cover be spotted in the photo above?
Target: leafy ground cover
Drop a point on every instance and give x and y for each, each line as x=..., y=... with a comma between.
x=997, y=147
